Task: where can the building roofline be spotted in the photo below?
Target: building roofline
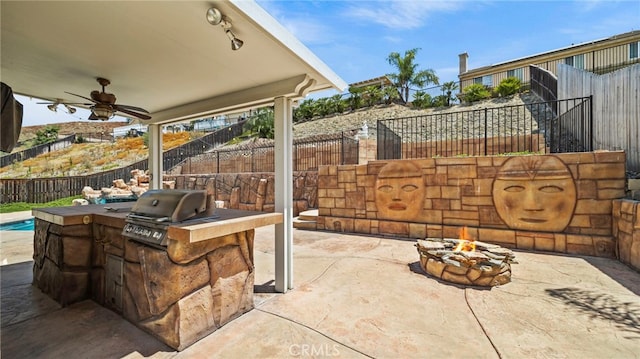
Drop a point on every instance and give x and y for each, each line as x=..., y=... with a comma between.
x=374, y=81
x=592, y=42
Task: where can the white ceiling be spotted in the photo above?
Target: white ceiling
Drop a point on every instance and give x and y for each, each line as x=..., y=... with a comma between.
x=159, y=55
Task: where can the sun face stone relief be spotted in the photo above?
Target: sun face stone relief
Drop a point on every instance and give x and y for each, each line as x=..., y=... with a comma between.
x=400, y=191
x=535, y=193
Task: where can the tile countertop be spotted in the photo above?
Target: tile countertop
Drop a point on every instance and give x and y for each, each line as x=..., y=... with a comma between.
x=72, y=215
x=222, y=222
x=225, y=221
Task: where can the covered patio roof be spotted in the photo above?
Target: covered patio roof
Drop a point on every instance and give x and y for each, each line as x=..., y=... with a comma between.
x=166, y=57
x=163, y=56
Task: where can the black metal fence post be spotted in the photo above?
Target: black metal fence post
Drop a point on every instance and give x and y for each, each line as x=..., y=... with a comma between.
x=590, y=117
x=485, y=132
x=342, y=149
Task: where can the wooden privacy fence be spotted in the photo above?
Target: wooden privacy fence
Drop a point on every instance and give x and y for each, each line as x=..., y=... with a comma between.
x=41, y=190
x=543, y=83
x=616, y=107
x=37, y=150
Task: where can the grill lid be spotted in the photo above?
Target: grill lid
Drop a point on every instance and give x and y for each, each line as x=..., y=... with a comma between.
x=169, y=205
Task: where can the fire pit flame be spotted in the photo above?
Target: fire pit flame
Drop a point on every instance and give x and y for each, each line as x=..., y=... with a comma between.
x=466, y=261
x=465, y=244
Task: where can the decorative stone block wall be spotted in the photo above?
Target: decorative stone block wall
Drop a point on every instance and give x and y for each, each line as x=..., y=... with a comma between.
x=626, y=228
x=251, y=191
x=560, y=203
x=62, y=261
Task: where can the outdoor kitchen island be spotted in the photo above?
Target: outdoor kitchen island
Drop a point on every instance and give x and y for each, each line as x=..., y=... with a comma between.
x=180, y=293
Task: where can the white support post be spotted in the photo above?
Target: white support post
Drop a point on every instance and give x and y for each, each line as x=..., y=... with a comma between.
x=283, y=124
x=155, y=156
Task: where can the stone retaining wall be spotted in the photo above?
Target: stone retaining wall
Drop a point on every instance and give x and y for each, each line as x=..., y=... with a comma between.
x=626, y=228
x=570, y=199
x=250, y=191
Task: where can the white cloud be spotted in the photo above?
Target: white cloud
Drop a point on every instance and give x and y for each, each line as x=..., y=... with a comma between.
x=400, y=14
x=309, y=31
x=393, y=39
x=446, y=74
x=306, y=27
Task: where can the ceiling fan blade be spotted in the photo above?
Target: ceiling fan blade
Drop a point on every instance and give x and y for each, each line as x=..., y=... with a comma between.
x=65, y=103
x=129, y=112
x=133, y=108
x=86, y=98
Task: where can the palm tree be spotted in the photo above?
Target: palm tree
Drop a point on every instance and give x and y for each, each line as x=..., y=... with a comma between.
x=447, y=90
x=408, y=74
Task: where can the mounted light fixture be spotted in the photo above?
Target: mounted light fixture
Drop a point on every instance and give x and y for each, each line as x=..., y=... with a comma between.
x=70, y=109
x=53, y=107
x=102, y=112
x=236, y=43
x=215, y=17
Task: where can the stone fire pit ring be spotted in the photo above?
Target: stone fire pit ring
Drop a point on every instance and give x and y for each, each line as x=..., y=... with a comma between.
x=466, y=262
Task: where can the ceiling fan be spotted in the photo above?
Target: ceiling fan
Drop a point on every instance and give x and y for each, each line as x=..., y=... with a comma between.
x=103, y=104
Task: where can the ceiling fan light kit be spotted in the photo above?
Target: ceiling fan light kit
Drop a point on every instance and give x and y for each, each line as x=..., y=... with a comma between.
x=102, y=112
x=215, y=18
x=103, y=105
x=70, y=109
x=53, y=106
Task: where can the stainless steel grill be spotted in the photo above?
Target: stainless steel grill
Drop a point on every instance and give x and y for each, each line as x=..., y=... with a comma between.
x=156, y=210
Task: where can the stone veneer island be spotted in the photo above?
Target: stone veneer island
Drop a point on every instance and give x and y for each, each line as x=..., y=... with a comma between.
x=202, y=281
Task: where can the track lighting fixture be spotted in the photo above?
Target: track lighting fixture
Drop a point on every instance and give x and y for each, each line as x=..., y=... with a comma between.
x=53, y=107
x=70, y=109
x=215, y=17
x=236, y=43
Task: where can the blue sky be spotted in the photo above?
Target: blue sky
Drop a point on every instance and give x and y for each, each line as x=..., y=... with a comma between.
x=354, y=38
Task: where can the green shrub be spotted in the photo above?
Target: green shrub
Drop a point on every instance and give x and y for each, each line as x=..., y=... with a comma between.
x=475, y=92
x=372, y=95
x=355, y=99
x=304, y=111
x=440, y=101
x=260, y=124
x=508, y=86
x=48, y=134
x=421, y=100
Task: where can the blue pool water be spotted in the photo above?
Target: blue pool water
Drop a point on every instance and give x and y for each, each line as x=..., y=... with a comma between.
x=24, y=225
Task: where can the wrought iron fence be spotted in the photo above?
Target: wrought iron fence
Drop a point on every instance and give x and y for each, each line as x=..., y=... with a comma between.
x=531, y=127
x=174, y=156
x=308, y=154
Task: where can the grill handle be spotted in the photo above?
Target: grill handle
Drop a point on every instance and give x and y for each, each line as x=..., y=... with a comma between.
x=148, y=219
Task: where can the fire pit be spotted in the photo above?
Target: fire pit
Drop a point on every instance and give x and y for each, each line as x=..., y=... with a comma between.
x=466, y=262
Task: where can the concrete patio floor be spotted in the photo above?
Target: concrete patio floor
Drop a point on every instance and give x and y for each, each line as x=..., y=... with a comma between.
x=354, y=297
